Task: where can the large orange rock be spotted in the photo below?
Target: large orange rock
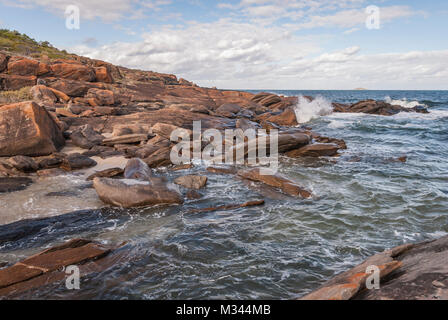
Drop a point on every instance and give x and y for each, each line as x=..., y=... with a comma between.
x=73, y=71
x=13, y=82
x=286, y=118
x=28, y=129
x=101, y=97
x=23, y=66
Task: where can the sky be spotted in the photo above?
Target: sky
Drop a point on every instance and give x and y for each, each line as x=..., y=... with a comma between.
x=254, y=44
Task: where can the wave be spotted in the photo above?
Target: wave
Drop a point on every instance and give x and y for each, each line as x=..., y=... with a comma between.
x=308, y=110
x=403, y=102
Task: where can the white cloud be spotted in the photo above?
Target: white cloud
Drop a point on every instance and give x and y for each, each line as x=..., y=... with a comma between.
x=227, y=54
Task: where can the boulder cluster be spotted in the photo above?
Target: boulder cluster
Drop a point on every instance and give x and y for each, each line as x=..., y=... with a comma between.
x=109, y=111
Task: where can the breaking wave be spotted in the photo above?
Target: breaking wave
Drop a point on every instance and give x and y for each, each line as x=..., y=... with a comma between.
x=308, y=110
x=403, y=102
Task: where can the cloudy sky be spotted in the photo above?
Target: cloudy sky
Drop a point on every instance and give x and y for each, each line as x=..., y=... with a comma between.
x=254, y=44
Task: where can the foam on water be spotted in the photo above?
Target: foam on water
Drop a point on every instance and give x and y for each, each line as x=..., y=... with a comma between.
x=403, y=102
x=308, y=110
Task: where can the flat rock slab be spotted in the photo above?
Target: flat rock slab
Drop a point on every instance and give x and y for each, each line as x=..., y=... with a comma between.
x=407, y=272
x=285, y=185
x=126, y=139
x=74, y=252
x=11, y=184
x=134, y=193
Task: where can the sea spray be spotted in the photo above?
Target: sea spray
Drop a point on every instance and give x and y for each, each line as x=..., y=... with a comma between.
x=307, y=110
x=403, y=102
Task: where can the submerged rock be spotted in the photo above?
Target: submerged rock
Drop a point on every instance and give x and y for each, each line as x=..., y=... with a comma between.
x=287, y=186
x=191, y=181
x=132, y=193
x=27, y=129
x=315, y=150
x=11, y=184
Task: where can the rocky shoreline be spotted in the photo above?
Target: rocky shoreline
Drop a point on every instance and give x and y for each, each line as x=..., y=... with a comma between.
x=103, y=111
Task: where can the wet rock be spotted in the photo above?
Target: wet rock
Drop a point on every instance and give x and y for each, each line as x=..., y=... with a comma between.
x=77, y=161
x=11, y=184
x=245, y=124
x=286, y=118
x=74, y=252
x=181, y=167
x=107, y=173
x=159, y=158
x=52, y=172
x=315, y=150
x=193, y=195
x=376, y=107
x=290, y=140
x=191, y=181
x=13, y=82
x=27, y=129
x=229, y=207
x=138, y=170
x=125, y=139
x=51, y=162
x=407, y=272
x=23, y=163
x=222, y=170
x=287, y=186
x=131, y=193
x=86, y=137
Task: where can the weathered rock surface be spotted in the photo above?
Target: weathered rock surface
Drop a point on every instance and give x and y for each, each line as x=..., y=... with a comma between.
x=23, y=163
x=315, y=150
x=86, y=137
x=407, y=272
x=287, y=186
x=47, y=266
x=131, y=193
x=28, y=129
x=107, y=173
x=77, y=161
x=138, y=170
x=192, y=181
x=376, y=107
x=11, y=184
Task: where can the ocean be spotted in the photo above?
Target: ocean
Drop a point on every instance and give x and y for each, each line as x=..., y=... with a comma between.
x=364, y=201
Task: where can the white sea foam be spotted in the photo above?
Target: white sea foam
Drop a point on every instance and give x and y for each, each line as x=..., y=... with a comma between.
x=403, y=102
x=308, y=110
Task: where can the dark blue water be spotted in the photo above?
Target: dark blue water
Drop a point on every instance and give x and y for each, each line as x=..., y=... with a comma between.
x=365, y=201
